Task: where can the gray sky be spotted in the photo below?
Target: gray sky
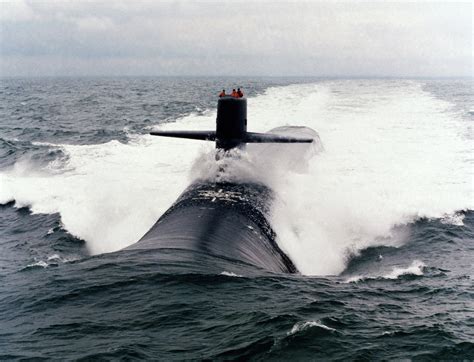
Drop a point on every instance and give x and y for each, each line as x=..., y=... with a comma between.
x=235, y=38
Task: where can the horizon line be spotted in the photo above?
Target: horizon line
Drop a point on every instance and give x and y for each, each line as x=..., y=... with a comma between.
x=238, y=76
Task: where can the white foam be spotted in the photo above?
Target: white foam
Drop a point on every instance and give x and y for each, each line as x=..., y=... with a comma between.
x=301, y=326
x=392, y=153
x=231, y=274
x=54, y=259
x=40, y=263
x=415, y=268
x=456, y=219
x=109, y=194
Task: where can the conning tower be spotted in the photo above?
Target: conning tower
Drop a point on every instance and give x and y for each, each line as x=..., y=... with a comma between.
x=231, y=122
x=231, y=128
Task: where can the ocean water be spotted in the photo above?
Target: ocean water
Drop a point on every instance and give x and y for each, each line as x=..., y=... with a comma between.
x=379, y=220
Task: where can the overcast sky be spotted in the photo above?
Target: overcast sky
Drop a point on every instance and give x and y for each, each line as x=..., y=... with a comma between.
x=235, y=38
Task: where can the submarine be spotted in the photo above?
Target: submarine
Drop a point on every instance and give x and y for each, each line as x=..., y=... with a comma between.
x=225, y=220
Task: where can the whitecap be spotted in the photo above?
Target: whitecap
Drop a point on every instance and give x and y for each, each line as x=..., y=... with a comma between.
x=301, y=326
x=415, y=268
x=40, y=263
x=231, y=274
x=455, y=219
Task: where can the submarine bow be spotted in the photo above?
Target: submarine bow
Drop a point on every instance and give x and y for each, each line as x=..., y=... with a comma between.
x=222, y=219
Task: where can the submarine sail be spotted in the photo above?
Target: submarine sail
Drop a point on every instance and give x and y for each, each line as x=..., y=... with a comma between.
x=231, y=128
x=223, y=219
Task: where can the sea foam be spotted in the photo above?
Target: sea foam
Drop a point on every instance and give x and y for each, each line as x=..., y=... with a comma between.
x=415, y=268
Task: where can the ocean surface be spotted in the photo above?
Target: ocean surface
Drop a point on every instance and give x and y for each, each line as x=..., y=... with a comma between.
x=379, y=221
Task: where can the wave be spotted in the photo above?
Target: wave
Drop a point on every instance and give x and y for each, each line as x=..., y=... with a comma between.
x=301, y=326
x=231, y=274
x=415, y=268
x=52, y=260
x=456, y=219
x=392, y=153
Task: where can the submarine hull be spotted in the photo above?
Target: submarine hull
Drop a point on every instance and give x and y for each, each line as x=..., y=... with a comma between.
x=222, y=220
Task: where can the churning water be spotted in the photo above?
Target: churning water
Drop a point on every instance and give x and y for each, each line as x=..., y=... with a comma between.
x=377, y=216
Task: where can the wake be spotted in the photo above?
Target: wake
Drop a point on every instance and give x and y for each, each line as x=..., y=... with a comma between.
x=392, y=153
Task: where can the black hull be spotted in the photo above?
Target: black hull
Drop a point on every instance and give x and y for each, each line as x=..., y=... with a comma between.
x=222, y=220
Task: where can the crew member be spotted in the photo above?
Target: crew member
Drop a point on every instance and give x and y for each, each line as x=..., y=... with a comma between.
x=234, y=94
x=222, y=94
x=240, y=93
